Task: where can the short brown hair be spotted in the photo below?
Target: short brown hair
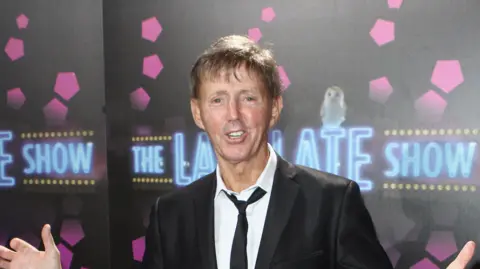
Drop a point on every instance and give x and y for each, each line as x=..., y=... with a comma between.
x=229, y=53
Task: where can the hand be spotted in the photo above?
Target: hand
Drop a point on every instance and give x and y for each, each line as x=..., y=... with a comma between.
x=25, y=256
x=463, y=257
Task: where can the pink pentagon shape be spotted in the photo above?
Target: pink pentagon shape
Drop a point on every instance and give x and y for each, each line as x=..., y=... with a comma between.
x=383, y=32
x=66, y=85
x=22, y=21
x=254, y=34
x=283, y=77
x=424, y=264
x=395, y=3
x=151, y=29
x=441, y=245
x=65, y=256
x=71, y=231
x=152, y=66
x=380, y=90
x=139, y=99
x=138, y=246
x=447, y=75
x=15, y=98
x=430, y=106
x=55, y=111
x=14, y=48
x=268, y=14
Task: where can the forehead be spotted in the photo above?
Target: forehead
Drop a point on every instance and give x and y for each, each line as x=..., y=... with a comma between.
x=230, y=79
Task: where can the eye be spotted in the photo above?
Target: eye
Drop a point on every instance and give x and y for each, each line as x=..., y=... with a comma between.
x=216, y=100
x=250, y=99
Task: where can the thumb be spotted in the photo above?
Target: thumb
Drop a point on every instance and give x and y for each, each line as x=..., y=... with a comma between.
x=47, y=239
x=463, y=257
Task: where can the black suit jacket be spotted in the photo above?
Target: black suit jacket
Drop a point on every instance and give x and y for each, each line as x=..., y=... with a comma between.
x=314, y=220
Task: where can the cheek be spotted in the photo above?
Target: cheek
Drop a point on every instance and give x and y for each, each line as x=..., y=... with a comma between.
x=213, y=123
x=257, y=119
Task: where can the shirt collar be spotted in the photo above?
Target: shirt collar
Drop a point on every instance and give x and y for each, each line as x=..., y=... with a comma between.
x=264, y=181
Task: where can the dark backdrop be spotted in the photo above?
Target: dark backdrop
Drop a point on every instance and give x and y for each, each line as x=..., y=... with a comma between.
x=52, y=85
x=407, y=71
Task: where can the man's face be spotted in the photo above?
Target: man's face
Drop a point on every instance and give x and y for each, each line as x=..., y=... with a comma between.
x=236, y=113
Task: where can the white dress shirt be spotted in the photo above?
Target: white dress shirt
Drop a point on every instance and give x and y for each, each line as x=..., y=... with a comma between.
x=226, y=215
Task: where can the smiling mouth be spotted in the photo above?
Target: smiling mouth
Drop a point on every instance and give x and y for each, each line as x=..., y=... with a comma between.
x=236, y=134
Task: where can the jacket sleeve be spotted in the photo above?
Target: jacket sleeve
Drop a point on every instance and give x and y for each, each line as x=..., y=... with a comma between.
x=357, y=245
x=153, y=256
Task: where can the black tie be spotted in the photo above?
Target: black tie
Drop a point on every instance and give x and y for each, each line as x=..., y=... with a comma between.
x=238, y=259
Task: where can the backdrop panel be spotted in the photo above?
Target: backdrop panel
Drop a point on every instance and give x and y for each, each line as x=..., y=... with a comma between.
x=397, y=81
x=52, y=128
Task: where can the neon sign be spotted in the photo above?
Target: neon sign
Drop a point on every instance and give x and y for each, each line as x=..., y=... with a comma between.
x=430, y=159
x=204, y=161
x=307, y=153
x=148, y=159
x=5, y=160
x=54, y=158
x=339, y=151
x=58, y=158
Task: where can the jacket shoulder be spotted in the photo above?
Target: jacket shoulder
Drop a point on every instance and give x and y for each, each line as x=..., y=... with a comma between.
x=309, y=178
x=188, y=192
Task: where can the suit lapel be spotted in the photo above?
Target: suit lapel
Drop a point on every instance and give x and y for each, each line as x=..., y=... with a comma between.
x=204, y=210
x=284, y=192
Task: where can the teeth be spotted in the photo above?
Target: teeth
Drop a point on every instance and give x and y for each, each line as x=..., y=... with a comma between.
x=236, y=134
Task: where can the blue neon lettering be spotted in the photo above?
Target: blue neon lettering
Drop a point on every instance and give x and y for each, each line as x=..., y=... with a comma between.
x=432, y=160
x=58, y=158
x=392, y=159
x=60, y=162
x=148, y=159
x=5, y=160
x=332, y=140
x=457, y=159
x=356, y=159
x=277, y=141
x=307, y=150
x=204, y=162
x=411, y=159
x=180, y=178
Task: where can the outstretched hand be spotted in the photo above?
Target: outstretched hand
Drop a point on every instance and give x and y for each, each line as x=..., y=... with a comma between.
x=26, y=256
x=464, y=257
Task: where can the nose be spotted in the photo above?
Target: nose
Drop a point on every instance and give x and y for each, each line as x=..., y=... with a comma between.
x=233, y=110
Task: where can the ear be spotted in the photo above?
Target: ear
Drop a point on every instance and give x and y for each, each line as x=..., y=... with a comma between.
x=196, y=112
x=277, y=107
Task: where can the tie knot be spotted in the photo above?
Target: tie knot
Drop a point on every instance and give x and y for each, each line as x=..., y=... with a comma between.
x=242, y=205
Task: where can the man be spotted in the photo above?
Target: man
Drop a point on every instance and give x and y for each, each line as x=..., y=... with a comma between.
x=303, y=218
x=256, y=210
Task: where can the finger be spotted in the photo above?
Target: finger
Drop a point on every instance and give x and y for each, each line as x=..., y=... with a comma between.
x=19, y=245
x=4, y=264
x=6, y=254
x=464, y=257
x=47, y=239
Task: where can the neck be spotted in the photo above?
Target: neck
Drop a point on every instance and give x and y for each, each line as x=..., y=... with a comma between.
x=240, y=176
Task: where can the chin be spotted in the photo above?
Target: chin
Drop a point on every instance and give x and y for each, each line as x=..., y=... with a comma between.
x=235, y=155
